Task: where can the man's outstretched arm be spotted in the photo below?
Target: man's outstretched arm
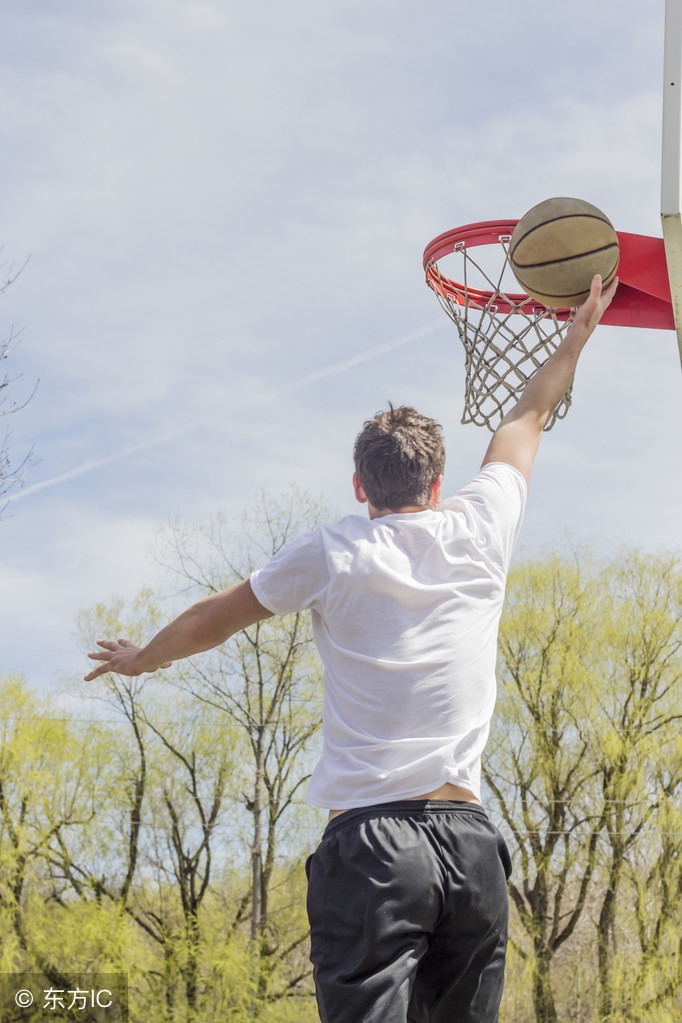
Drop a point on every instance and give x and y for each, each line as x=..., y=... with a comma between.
x=202, y=626
x=517, y=438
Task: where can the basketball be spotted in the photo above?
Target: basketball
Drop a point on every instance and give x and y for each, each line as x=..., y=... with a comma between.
x=558, y=247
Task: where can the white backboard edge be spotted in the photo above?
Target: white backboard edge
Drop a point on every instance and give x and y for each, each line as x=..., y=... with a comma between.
x=671, y=157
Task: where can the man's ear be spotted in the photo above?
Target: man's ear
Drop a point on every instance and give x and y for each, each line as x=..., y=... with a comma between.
x=435, y=491
x=360, y=494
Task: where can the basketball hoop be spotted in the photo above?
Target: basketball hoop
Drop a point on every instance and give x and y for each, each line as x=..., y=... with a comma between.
x=507, y=336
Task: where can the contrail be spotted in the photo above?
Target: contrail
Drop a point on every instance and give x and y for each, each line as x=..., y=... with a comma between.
x=356, y=360
x=309, y=378
x=96, y=463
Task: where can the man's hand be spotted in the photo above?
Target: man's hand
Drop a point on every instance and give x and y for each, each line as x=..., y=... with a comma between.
x=119, y=656
x=589, y=314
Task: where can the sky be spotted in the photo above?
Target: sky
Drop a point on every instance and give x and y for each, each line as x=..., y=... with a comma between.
x=224, y=208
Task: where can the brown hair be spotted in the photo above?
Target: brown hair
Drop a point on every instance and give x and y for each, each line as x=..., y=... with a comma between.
x=399, y=455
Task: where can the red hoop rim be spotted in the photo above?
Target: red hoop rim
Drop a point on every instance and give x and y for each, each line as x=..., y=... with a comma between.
x=642, y=299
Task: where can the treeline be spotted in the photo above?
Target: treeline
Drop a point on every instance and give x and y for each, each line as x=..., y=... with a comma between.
x=584, y=771
x=168, y=839
x=125, y=849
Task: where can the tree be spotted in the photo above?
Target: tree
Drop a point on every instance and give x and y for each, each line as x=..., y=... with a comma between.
x=218, y=748
x=10, y=475
x=177, y=759
x=49, y=775
x=637, y=752
x=193, y=775
x=647, y=984
x=538, y=766
x=267, y=680
x=70, y=904
x=585, y=772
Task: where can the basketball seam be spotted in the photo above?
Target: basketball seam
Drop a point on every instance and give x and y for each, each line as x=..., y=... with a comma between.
x=565, y=295
x=552, y=220
x=566, y=259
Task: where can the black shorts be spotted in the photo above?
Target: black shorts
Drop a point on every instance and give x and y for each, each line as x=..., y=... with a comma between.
x=408, y=911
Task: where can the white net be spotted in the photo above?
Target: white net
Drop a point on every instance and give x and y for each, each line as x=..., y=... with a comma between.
x=506, y=337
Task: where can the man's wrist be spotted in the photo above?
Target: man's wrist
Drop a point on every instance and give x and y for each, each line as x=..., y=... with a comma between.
x=143, y=663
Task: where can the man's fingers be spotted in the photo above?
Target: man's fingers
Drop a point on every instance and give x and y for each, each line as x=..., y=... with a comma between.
x=599, y=291
x=97, y=672
x=119, y=656
x=109, y=648
x=611, y=290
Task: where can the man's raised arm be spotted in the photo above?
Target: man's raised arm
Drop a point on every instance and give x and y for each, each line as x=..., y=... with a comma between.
x=517, y=438
x=202, y=626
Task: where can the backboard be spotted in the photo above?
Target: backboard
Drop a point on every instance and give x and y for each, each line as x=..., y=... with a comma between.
x=671, y=157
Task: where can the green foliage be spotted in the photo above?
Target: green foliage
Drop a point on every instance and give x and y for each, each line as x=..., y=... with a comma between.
x=213, y=761
x=585, y=774
x=66, y=792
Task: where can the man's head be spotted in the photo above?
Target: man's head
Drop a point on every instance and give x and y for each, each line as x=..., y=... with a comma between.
x=399, y=456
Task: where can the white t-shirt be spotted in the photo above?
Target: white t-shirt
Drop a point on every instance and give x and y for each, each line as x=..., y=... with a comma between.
x=405, y=612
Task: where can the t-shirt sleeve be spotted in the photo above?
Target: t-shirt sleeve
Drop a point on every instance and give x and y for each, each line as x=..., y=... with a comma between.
x=294, y=577
x=494, y=502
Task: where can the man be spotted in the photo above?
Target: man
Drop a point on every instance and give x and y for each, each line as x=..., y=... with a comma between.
x=407, y=890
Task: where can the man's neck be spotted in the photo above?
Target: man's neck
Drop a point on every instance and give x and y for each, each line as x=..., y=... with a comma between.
x=408, y=509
